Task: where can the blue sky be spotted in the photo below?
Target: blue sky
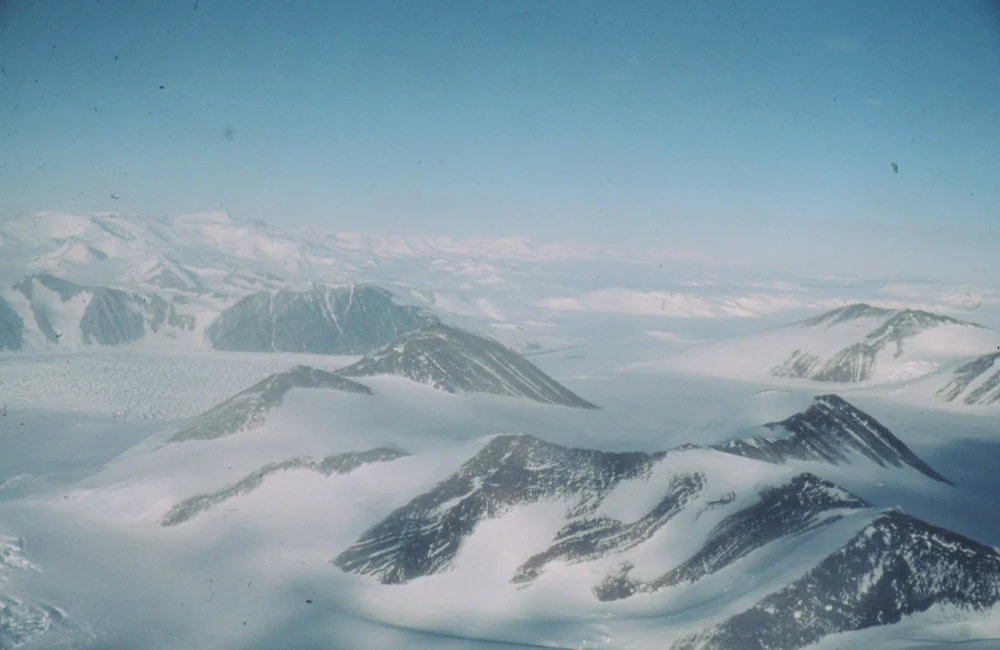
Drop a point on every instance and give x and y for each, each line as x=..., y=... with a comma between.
x=724, y=126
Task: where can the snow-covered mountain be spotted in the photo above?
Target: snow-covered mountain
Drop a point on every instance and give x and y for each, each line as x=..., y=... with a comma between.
x=896, y=331
x=43, y=311
x=677, y=522
x=324, y=320
x=893, y=567
x=642, y=548
x=857, y=343
x=394, y=501
x=212, y=260
x=443, y=357
x=804, y=503
x=248, y=409
x=424, y=536
x=830, y=431
x=213, y=252
x=454, y=360
x=335, y=464
x=974, y=382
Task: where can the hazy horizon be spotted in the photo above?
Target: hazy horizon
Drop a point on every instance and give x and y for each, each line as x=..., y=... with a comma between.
x=854, y=137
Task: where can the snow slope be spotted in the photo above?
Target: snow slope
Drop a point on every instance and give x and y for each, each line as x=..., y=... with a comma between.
x=506, y=538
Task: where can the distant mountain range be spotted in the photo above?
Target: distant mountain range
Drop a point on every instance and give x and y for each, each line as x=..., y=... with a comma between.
x=323, y=320
x=44, y=311
x=887, y=564
x=861, y=344
x=894, y=330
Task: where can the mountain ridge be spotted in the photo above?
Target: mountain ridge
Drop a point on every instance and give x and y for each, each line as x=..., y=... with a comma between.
x=456, y=361
x=831, y=430
x=857, y=344
x=886, y=566
x=249, y=408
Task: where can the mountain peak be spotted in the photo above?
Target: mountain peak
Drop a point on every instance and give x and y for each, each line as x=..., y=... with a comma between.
x=910, y=320
x=453, y=360
x=249, y=409
x=846, y=313
x=832, y=431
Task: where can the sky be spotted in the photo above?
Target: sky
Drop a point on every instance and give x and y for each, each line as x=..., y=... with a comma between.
x=758, y=130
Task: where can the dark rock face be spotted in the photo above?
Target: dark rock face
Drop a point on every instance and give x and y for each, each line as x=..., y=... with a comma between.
x=169, y=275
x=248, y=409
x=805, y=503
x=854, y=363
x=845, y=314
x=163, y=314
x=11, y=328
x=831, y=431
x=338, y=464
x=987, y=392
x=454, y=360
x=324, y=320
x=800, y=364
x=64, y=288
x=113, y=317
x=896, y=566
x=892, y=566
x=424, y=536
